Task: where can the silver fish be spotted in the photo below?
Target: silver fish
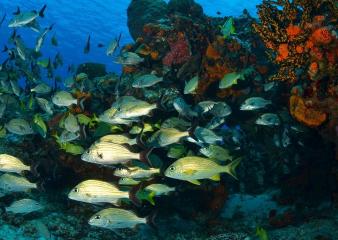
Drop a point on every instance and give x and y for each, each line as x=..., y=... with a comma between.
x=254, y=103
x=42, y=37
x=268, y=119
x=205, y=135
x=42, y=88
x=19, y=126
x=175, y=122
x=24, y=206
x=115, y=218
x=204, y=106
x=145, y=81
x=45, y=105
x=71, y=123
x=221, y=109
x=68, y=136
x=113, y=46
x=183, y=108
x=24, y=18
x=63, y=99
x=159, y=189
x=129, y=58
x=15, y=88
x=216, y=152
x=136, y=110
x=128, y=182
x=269, y=86
x=215, y=122
x=108, y=116
x=191, y=85
x=167, y=136
x=20, y=48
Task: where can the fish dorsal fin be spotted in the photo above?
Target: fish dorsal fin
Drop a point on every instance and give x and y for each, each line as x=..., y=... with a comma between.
x=196, y=182
x=17, y=12
x=216, y=177
x=189, y=171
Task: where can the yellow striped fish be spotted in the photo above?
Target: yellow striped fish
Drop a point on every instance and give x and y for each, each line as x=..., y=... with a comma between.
x=109, y=153
x=194, y=168
x=115, y=218
x=96, y=191
x=12, y=164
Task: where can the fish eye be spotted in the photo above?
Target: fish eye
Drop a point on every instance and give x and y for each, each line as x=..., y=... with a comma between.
x=76, y=190
x=172, y=168
x=97, y=217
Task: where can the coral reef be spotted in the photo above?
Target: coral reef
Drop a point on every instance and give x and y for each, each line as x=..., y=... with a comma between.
x=301, y=38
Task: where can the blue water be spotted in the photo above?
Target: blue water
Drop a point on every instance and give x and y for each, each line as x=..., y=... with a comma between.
x=103, y=19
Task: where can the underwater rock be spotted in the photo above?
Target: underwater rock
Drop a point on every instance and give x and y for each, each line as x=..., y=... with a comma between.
x=248, y=206
x=186, y=8
x=152, y=11
x=92, y=69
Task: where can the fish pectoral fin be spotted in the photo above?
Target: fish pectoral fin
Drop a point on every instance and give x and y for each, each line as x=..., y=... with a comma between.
x=189, y=172
x=216, y=177
x=196, y=182
x=150, y=198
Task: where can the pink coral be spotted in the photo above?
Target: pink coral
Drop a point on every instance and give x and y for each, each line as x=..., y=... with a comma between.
x=179, y=52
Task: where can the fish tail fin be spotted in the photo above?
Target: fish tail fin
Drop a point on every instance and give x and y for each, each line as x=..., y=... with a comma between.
x=41, y=12
x=231, y=168
x=132, y=195
x=119, y=39
x=51, y=26
x=144, y=156
x=192, y=129
x=17, y=12
x=139, y=139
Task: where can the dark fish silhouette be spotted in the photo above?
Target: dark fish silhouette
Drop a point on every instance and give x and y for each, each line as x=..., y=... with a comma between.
x=87, y=47
x=3, y=19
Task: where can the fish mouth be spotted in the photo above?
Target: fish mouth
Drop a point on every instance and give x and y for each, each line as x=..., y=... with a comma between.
x=71, y=196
